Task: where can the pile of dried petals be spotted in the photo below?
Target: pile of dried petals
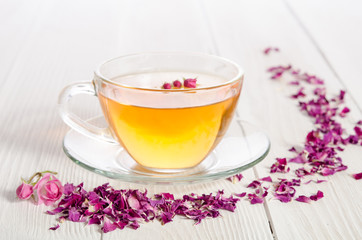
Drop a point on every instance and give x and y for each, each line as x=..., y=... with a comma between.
x=322, y=144
x=117, y=209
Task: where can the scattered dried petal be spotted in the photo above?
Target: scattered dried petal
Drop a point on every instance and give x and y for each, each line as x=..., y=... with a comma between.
x=317, y=196
x=303, y=199
x=357, y=176
x=267, y=50
x=266, y=179
x=55, y=227
x=240, y=195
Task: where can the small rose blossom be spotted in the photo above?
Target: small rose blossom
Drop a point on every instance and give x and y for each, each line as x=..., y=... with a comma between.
x=24, y=191
x=49, y=189
x=177, y=84
x=167, y=86
x=190, y=82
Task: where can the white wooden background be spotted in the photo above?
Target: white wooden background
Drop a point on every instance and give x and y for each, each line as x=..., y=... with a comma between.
x=47, y=44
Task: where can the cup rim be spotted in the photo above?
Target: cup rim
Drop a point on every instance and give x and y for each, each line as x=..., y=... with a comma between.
x=239, y=75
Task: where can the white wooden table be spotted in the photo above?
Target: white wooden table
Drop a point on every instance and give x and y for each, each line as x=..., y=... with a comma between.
x=45, y=45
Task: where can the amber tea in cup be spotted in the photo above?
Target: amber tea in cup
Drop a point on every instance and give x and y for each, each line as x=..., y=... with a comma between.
x=161, y=129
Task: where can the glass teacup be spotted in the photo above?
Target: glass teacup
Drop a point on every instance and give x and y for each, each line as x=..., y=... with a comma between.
x=161, y=129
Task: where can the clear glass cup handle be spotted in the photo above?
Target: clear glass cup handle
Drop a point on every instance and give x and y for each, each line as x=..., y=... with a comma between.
x=76, y=122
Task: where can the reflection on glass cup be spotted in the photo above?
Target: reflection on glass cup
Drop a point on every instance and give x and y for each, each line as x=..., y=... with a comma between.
x=162, y=129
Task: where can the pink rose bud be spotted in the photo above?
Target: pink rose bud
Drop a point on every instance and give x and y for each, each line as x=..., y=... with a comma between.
x=24, y=191
x=190, y=83
x=167, y=86
x=177, y=84
x=49, y=189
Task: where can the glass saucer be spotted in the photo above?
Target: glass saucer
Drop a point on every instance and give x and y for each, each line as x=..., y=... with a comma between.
x=231, y=156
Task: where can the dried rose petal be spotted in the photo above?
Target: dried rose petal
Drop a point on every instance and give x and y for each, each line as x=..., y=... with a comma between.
x=266, y=179
x=303, y=198
x=280, y=166
x=55, y=227
x=320, y=181
x=235, y=178
x=240, y=195
x=344, y=112
x=294, y=83
x=254, y=199
x=108, y=226
x=317, y=196
x=267, y=50
x=300, y=93
x=254, y=184
x=327, y=171
x=357, y=176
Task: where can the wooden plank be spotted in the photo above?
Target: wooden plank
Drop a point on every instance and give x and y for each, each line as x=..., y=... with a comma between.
x=59, y=43
x=56, y=46
x=180, y=26
x=335, y=29
x=242, y=29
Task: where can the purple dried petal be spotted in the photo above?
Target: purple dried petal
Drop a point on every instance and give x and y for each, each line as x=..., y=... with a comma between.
x=317, y=196
x=166, y=217
x=235, y=178
x=301, y=172
x=55, y=227
x=294, y=83
x=303, y=198
x=283, y=198
x=267, y=50
x=297, y=159
x=358, y=132
x=327, y=171
x=94, y=220
x=266, y=179
x=240, y=195
x=68, y=188
x=359, y=122
x=108, y=226
x=254, y=199
x=307, y=182
x=320, y=181
x=254, y=184
x=292, y=149
x=357, y=176
x=344, y=112
x=74, y=215
x=280, y=166
x=55, y=211
x=300, y=93
x=133, y=202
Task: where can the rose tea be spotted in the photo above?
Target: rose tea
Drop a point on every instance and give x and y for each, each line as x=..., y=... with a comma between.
x=168, y=111
x=164, y=137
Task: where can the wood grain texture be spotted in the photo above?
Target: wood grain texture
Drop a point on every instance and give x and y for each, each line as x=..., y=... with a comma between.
x=62, y=45
x=267, y=103
x=335, y=29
